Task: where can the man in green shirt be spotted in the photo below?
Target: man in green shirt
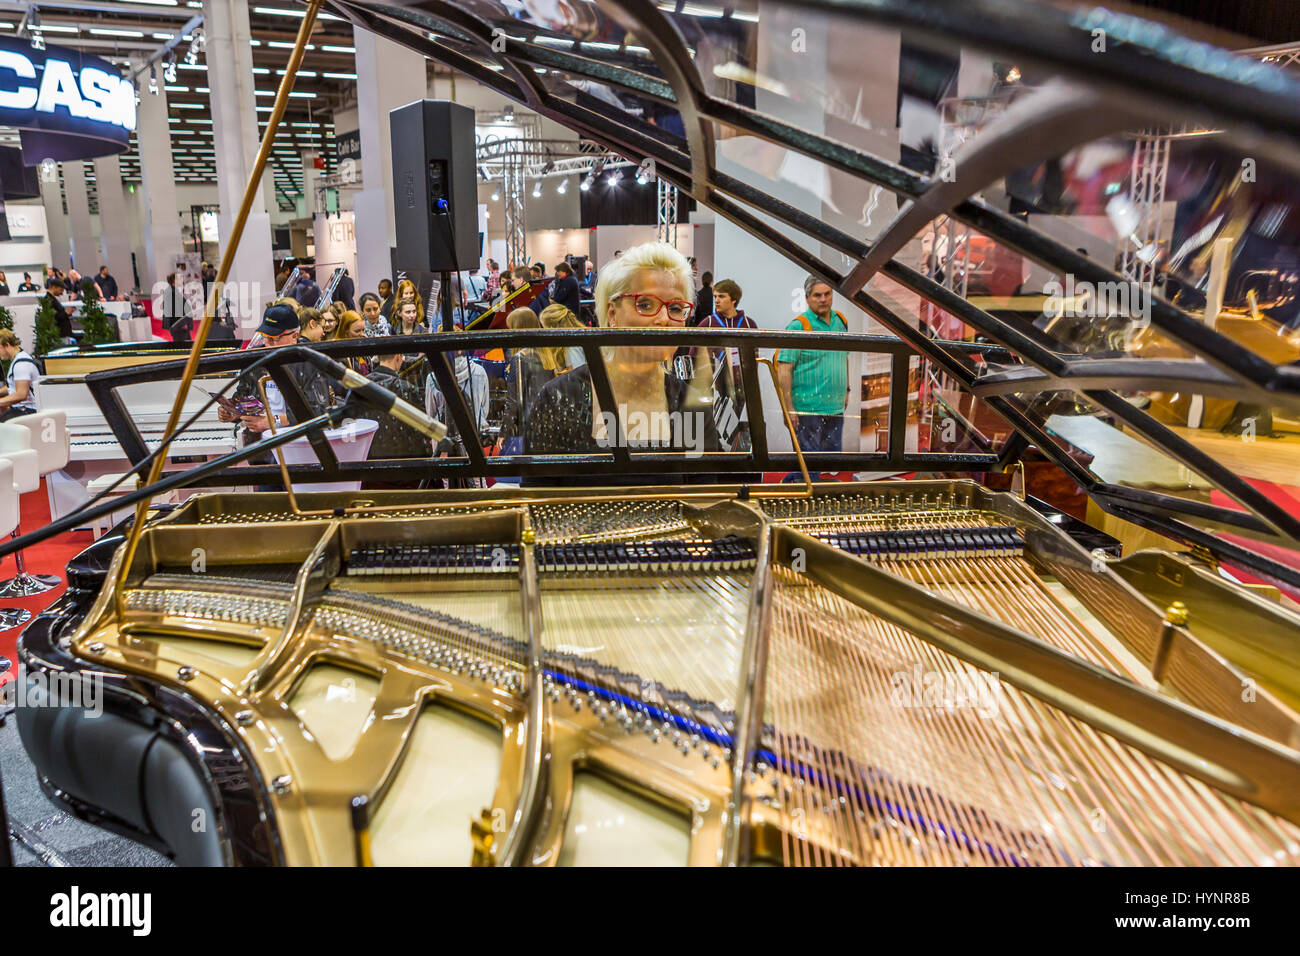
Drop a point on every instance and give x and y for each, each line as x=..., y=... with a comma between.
x=815, y=382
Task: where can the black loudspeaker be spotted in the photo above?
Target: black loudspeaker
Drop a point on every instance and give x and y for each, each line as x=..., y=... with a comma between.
x=433, y=159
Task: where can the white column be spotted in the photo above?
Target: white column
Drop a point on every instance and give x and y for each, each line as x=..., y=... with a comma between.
x=115, y=237
x=388, y=76
x=85, y=250
x=56, y=225
x=161, y=225
x=236, y=141
x=310, y=178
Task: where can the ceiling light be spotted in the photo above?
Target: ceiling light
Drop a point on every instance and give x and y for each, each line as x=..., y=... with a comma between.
x=99, y=32
x=337, y=49
x=297, y=14
x=33, y=33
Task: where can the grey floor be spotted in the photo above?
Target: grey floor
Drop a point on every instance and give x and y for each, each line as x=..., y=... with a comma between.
x=73, y=842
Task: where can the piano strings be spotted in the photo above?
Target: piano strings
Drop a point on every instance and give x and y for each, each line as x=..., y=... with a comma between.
x=956, y=767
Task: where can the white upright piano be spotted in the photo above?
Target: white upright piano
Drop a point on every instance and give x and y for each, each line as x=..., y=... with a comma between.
x=95, y=450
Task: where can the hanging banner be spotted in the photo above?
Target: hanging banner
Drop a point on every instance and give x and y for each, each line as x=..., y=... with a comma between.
x=66, y=105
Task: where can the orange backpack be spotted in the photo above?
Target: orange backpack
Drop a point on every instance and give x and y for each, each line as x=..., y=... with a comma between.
x=807, y=326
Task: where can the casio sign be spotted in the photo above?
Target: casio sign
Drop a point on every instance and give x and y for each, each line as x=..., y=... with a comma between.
x=93, y=94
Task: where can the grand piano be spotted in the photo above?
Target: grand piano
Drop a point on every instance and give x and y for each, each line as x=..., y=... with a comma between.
x=696, y=667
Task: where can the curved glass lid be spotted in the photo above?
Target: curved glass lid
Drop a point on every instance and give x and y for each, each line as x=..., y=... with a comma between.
x=1108, y=200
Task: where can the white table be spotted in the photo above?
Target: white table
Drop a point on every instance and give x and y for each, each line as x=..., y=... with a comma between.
x=351, y=443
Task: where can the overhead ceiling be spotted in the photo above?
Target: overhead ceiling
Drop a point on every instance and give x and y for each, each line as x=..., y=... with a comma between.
x=125, y=30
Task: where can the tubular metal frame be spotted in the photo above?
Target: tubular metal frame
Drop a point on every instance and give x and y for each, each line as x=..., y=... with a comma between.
x=1153, y=70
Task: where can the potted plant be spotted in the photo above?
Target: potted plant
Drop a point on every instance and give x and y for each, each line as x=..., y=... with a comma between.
x=97, y=325
x=47, y=330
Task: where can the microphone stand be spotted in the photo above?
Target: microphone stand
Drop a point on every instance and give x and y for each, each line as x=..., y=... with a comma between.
x=330, y=418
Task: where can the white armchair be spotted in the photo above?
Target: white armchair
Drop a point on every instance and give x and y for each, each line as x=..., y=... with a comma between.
x=16, y=447
x=9, y=616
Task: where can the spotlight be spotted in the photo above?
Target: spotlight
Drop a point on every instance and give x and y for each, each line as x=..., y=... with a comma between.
x=586, y=182
x=615, y=175
x=191, y=57
x=537, y=189
x=509, y=115
x=153, y=80
x=32, y=23
x=563, y=187
x=169, y=71
x=641, y=178
x=496, y=195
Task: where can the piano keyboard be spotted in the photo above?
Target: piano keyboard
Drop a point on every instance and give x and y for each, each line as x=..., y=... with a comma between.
x=99, y=443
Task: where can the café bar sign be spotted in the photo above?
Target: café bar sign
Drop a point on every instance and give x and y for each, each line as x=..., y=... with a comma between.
x=66, y=104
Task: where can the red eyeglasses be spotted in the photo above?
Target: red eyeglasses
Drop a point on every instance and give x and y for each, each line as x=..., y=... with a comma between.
x=648, y=306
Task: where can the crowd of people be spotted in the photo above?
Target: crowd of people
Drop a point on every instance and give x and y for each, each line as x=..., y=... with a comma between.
x=544, y=399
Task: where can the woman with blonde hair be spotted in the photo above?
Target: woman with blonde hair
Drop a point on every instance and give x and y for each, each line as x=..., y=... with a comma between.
x=529, y=370
x=561, y=358
x=649, y=286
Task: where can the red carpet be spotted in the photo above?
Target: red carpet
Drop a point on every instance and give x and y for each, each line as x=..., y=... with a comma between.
x=51, y=557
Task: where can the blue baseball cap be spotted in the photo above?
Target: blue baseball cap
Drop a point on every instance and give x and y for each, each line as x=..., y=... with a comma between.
x=278, y=319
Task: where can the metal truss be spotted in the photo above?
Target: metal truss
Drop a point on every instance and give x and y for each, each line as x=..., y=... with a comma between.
x=543, y=159
x=666, y=212
x=512, y=194
x=1147, y=179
